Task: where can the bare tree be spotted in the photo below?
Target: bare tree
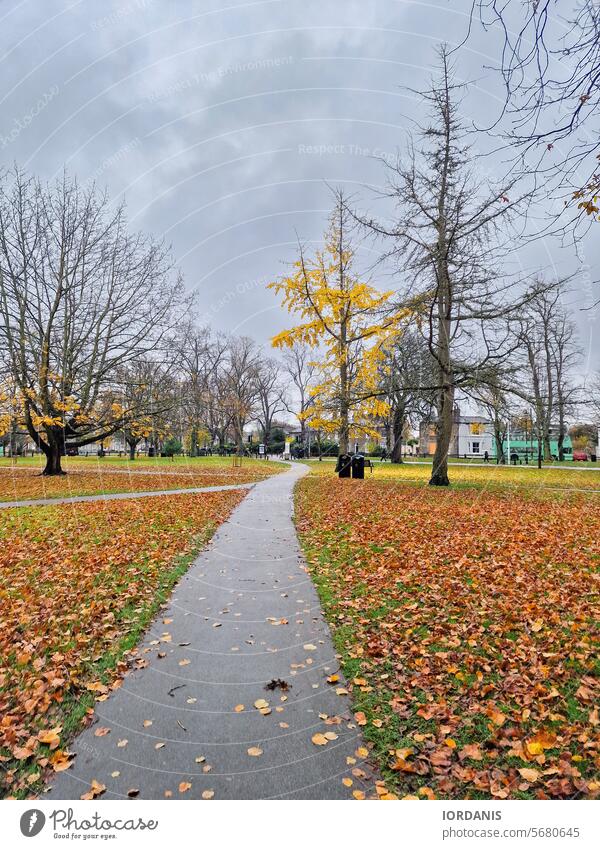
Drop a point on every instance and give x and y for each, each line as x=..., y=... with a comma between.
x=299, y=366
x=241, y=386
x=534, y=338
x=567, y=355
x=406, y=371
x=80, y=298
x=217, y=411
x=271, y=396
x=146, y=398
x=199, y=356
x=448, y=234
x=550, y=66
x=494, y=400
x=547, y=339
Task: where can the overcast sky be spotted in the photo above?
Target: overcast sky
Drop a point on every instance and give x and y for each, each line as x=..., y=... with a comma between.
x=221, y=124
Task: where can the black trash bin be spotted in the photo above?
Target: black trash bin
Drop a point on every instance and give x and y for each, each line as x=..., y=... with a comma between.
x=343, y=465
x=358, y=466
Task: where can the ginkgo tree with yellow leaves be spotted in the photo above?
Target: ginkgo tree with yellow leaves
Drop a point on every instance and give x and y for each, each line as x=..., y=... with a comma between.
x=348, y=322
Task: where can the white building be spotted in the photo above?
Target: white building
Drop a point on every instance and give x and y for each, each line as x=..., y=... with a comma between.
x=472, y=437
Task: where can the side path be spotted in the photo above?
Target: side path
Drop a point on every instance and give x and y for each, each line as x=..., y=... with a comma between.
x=243, y=628
x=117, y=496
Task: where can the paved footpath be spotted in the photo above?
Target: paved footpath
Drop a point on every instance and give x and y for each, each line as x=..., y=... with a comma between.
x=120, y=496
x=244, y=615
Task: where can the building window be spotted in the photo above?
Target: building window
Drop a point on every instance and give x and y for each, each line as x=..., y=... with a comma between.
x=475, y=448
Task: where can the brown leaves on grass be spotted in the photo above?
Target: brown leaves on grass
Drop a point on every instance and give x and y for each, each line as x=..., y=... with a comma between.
x=23, y=483
x=473, y=617
x=73, y=583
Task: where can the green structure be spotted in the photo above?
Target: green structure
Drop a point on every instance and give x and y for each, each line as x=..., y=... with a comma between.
x=526, y=449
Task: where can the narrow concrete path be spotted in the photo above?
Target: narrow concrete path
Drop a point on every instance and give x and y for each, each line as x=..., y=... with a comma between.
x=244, y=615
x=112, y=496
x=164, y=471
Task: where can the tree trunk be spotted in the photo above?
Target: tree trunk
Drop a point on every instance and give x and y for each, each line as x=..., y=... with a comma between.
x=132, y=447
x=344, y=441
x=542, y=411
x=53, y=455
x=344, y=426
x=562, y=431
x=439, y=474
x=13, y=438
x=344, y=406
x=239, y=438
x=443, y=308
x=398, y=426
x=194, y=442
x=499, y=448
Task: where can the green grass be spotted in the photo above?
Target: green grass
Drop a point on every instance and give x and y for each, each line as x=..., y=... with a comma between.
x=159, y=463
x=526, y=481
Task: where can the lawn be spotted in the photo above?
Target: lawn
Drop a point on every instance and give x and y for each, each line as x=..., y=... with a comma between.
x=478, y=461
x=527, y=480
x=467, y=622
x=96, y=476
x=78, y=586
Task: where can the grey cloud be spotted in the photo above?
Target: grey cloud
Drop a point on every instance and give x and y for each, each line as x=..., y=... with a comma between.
x=221, y=126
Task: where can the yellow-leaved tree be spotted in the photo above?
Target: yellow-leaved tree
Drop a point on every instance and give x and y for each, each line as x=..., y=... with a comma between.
x=349, y=323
